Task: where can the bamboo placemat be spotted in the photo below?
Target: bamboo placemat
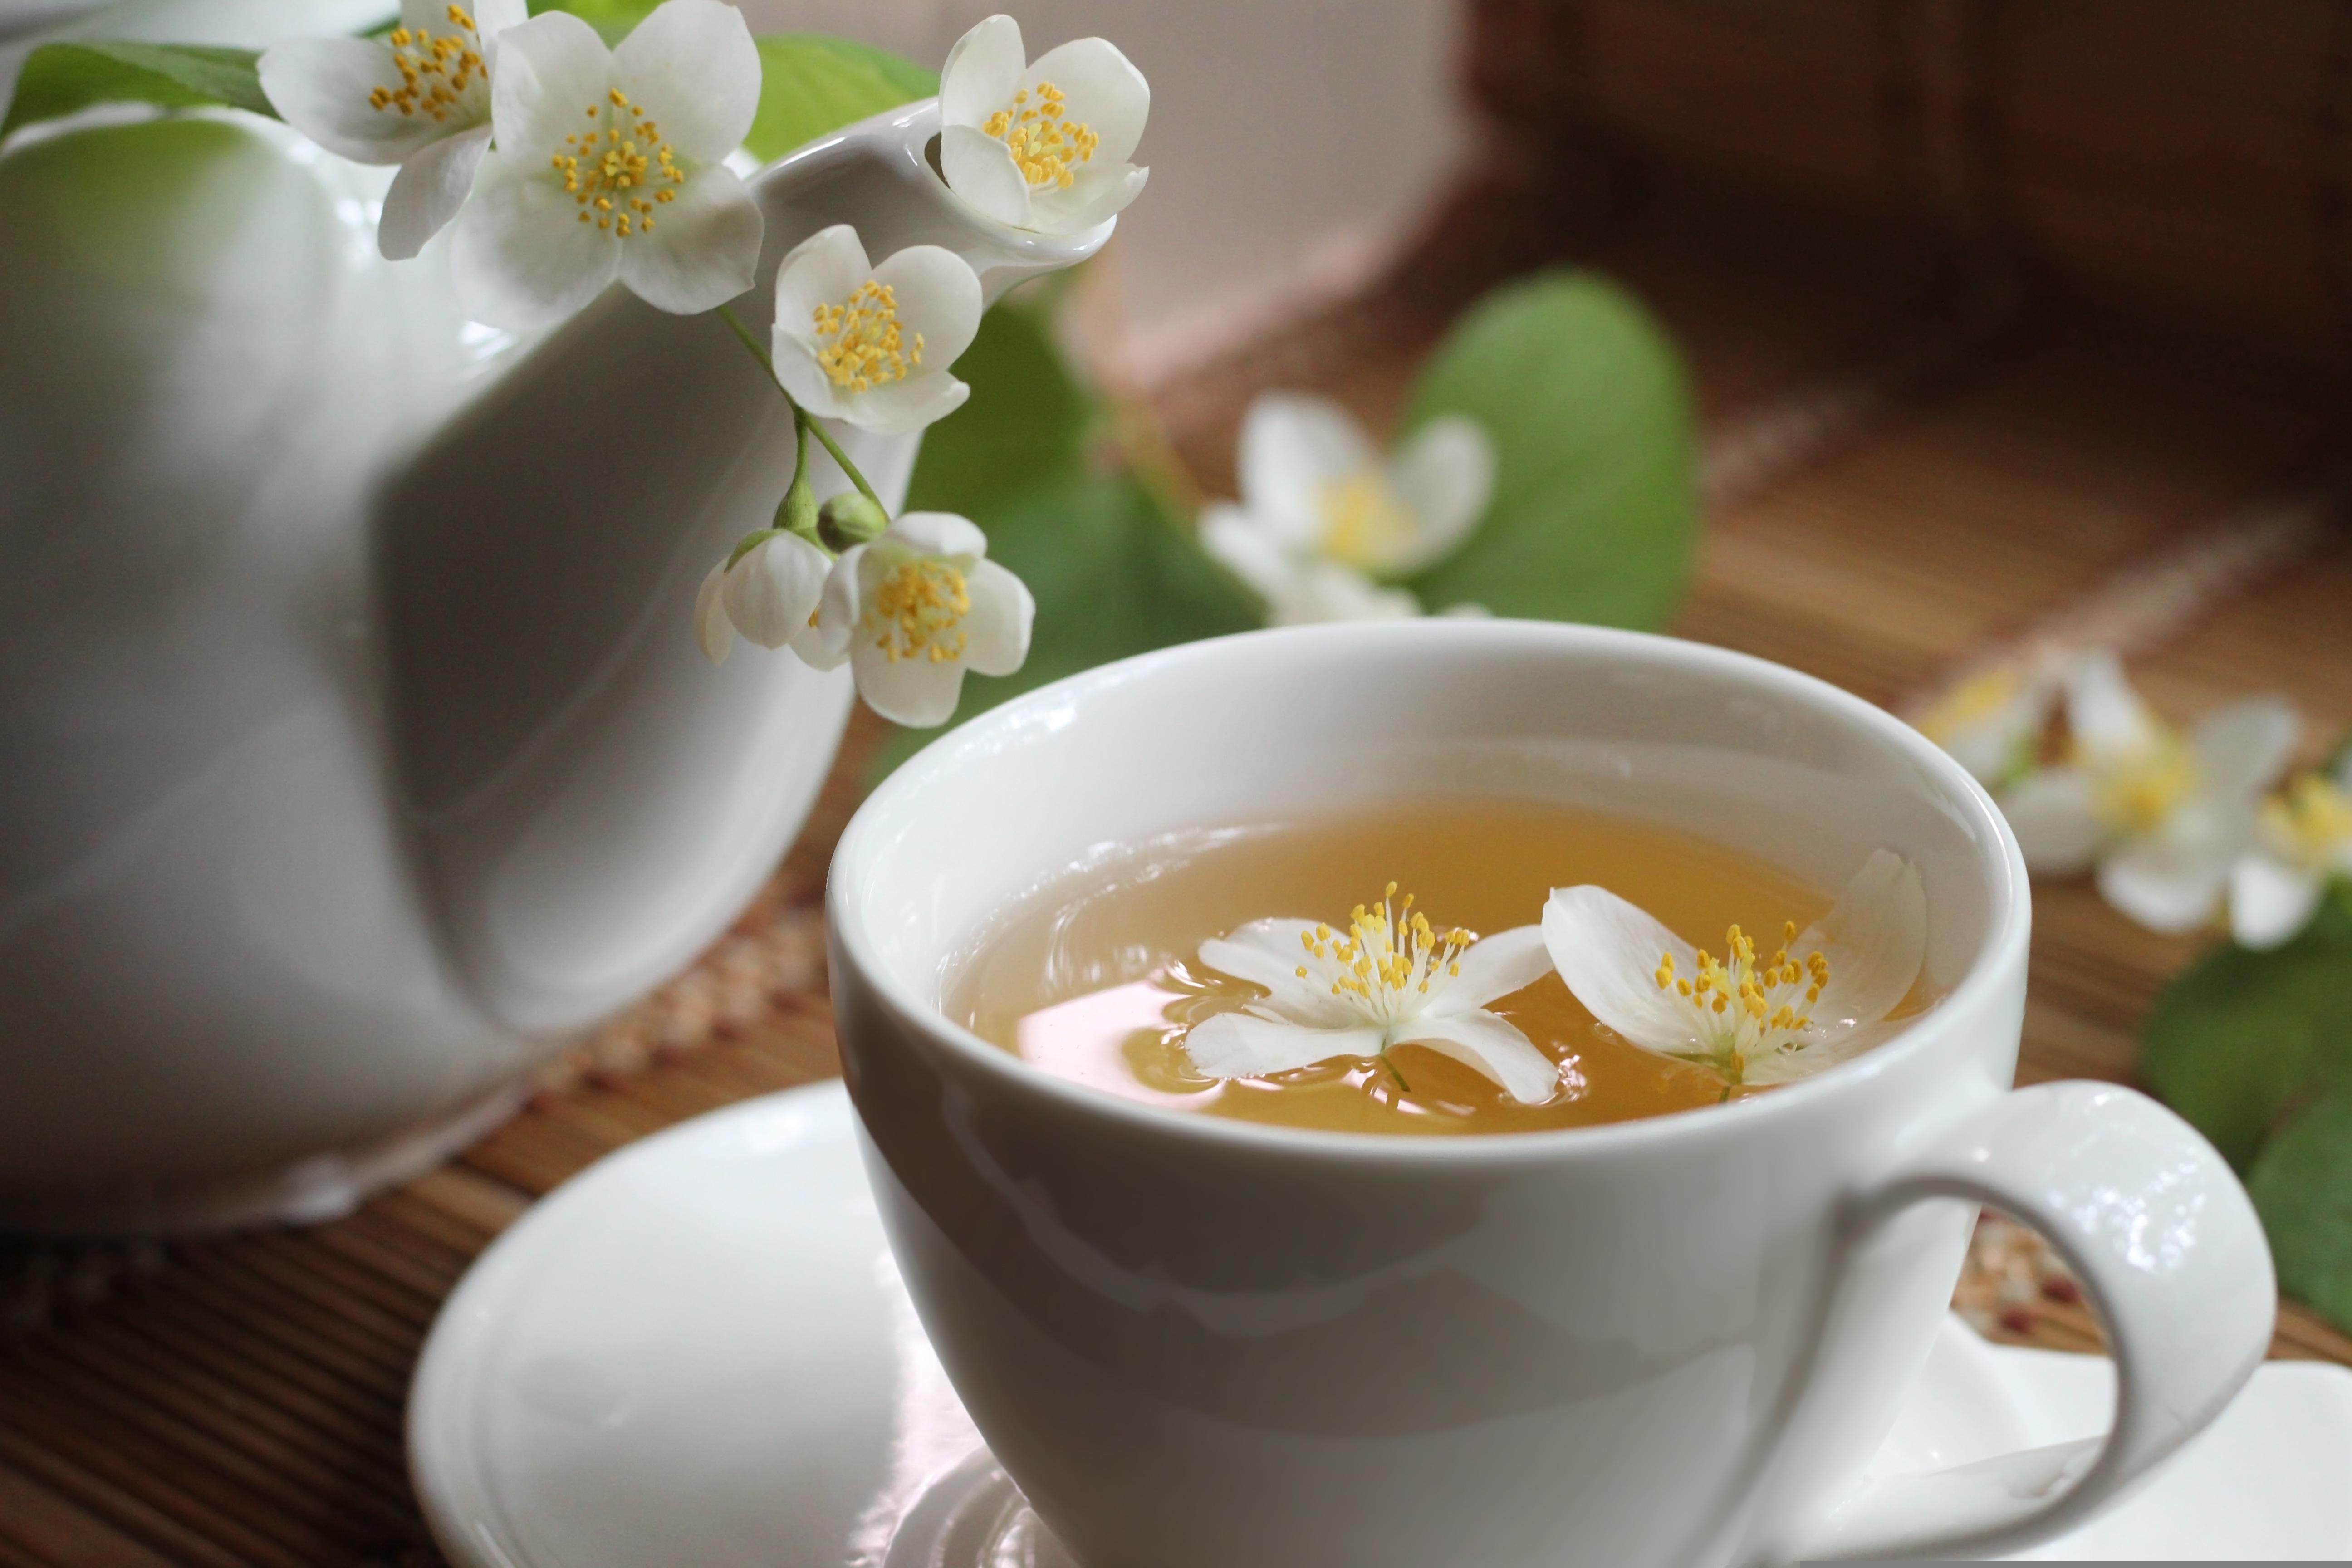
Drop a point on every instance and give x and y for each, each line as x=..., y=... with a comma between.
x=1916, y=488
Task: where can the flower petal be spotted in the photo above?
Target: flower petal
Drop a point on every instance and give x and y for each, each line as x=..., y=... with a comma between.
x=1246, y=546
x=520, y=256
x=980, y=169
x=2106, y=716
x=321, y=87
x=1489, y=1045
x=1098, y=195
x=492, y=17
x=1875, y=937
x=1241, y=1045
x=705, y=245
x=997, y=626
x=901, y=407
x=1267, y=954
x=936, y=533
x=1327, y=591
x=915, y=692
x=2271, y=901
x=1784, y=1066
x=1989, y=724
x=826, y=646
x=692, y=67
x=1292, y=446
x=1102, y=90
x=817, y=651
x=428, y=190
x=825, y=268
x=2163, y=888
x=984, y=71
x=938, y=295
x=1607, y=952
x=802, y=376
x=774, y=588
x=1445, y=474
x=2244, y=747
x=714, y=634
x=549, y=70
x=2051, y=814
x=1494, y=966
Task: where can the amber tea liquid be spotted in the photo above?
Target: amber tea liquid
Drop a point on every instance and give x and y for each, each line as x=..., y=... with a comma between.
x=1096, y=979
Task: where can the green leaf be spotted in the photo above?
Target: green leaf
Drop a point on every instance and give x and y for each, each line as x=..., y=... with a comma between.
x=1026, y=425
x=2239, y=1037
x=1113, y=575
x=2301, y=1187
x=811, y=86
x=1595, y=510
x=59, y=79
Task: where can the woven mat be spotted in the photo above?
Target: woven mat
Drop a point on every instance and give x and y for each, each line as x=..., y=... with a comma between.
x=1900, y=483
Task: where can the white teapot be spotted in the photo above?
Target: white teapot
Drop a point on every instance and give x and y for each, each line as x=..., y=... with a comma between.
x=356, y=751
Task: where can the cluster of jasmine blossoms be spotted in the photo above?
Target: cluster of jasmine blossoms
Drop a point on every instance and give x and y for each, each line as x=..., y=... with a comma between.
x=563, y=166
x=1388, y=977
x=1327, y=521
x=2172, y=826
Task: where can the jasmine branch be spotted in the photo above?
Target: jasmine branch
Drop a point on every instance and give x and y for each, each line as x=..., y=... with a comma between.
x=804, y=423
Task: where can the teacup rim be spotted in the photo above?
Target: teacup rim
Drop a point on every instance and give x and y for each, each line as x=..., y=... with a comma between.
x=2001, y=952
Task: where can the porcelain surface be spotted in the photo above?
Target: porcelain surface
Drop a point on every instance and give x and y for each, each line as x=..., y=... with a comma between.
x=355, y=748
x=699, y=1353
x=1660, y=1344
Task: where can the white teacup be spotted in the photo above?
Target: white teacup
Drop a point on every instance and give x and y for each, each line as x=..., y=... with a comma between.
x=1203, y=1344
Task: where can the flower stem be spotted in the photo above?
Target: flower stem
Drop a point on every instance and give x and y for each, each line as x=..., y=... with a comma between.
x=803, y=422
x=1392, y=1071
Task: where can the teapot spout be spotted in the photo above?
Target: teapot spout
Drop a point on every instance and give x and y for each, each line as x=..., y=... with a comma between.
x=589, y=802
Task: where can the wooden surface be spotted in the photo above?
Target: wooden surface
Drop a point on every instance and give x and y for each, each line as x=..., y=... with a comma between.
x=239, y=1401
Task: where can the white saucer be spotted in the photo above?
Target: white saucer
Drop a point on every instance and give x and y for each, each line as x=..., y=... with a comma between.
x=698, y=1352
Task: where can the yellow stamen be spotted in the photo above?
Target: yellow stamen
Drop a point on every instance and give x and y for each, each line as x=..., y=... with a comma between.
x=1744, y=1007
x=436, y=70
x=861, y=345
x=2309, y=822
x=919, y=609
x=1046, y=144
x=2138, y=794
x=1970, y=704
x=602, y=167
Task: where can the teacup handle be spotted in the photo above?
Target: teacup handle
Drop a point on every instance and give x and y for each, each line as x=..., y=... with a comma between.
x=2167, y=1247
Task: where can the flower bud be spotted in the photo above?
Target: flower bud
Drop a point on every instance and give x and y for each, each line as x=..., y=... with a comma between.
x=849, y=520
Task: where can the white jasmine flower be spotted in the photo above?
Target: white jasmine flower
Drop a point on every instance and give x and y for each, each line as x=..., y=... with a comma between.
x=1042, y=146
x=419, y=98
x=1390, y=979
x=769, y=593
x=1991, y=721
x=870, y=344
x=1323, y=514
x=609, y=164
x=2303, y=838
x=2161, y=817
x=914, y=609
x=1814, y=1002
